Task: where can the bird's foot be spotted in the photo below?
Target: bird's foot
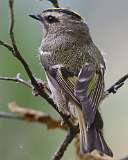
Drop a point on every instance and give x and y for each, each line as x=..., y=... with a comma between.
x=40, y=87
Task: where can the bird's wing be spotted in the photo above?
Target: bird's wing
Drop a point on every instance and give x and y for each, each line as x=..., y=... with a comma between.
x=89, y=90
x=85, y=88
x=59, y=79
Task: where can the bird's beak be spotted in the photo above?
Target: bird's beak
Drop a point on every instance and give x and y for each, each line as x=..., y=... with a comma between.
x=37, y=17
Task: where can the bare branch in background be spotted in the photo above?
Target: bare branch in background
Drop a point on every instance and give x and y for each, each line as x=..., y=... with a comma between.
x=68, y=139
x=7, y=115
x=31, y=115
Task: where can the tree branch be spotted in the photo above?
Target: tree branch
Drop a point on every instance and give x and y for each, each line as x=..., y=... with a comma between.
x=16, y=79
x=7, y=115
x=35, y=116
x=68, y=139
x=117, y=85
x=31, y=115
x=15, y=50
x=6, y=45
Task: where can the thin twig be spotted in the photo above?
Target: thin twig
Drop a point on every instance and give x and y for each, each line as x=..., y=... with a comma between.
x=54, y=3
x=2, y=43
x=68, y=139
x=16, y=79
x=113, y=89
x=10, y=116
x=16, y=52
x=117, y=85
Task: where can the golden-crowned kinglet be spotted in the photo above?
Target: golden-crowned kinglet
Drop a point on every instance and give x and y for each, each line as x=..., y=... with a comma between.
x=74, y=69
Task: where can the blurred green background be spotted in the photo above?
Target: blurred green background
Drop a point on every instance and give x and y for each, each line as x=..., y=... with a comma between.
x=108, y=22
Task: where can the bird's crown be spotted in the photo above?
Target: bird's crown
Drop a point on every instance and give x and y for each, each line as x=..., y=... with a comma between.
x=62, y=11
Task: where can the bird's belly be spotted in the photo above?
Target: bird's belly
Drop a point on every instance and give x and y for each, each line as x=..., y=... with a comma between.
x=63, y=102
x=58, y=96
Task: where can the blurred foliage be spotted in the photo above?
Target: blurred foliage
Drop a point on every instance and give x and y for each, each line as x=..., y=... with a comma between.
x=108, y=26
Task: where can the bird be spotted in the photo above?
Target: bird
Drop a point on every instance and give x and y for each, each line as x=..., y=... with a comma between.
x=74, y=68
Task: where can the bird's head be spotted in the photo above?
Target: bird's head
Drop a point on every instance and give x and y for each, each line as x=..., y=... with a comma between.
x=61, y=20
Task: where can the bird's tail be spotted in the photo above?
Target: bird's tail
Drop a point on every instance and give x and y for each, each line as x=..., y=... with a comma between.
x=92, y=138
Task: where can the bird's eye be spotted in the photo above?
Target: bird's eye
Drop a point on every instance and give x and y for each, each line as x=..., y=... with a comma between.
x=51, y=19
